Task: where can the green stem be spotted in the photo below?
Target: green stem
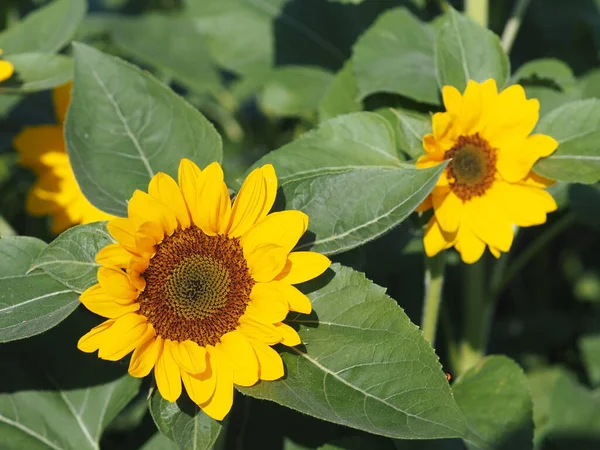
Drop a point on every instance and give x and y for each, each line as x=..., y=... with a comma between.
x=477, y=316
x=478, y=10
x=434, y=282
x=513, y=24
x=527, y=255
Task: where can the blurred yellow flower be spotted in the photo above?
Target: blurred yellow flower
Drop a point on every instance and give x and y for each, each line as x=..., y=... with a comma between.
x=56, y=192
x=489, y=185
x=6, y=69
x=197, y=287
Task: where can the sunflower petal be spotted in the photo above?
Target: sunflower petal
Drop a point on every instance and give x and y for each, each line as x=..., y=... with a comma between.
x=263, y=332
x=189, y=184
x=281, y=228
x=167, y=375
x=188, y=355
x=99, y=302
x=142, y=207
x=239, y=351
x=91, y=341
x=125, y=334
x=266, y=261
x=435, y=239
x=524, y=205
x=61, y=97
x=303, y=266
x=275, y=291
x=6, y=70
x=144, y=357
x=116, y=283
x=113, y=255
x=289, y=335
x=200, y=387
x=490, y=223
x=165, y=189
x=269, y=361
x=214, y=201
x=515, y=162
x=448, y=209
x=469, y=245
x=123, y=230
x=221, y=401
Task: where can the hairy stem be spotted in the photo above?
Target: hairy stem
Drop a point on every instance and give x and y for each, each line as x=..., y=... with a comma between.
x=434, y=281
x=478, y=11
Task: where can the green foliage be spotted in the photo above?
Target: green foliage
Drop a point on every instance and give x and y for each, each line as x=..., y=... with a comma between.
x=37, y=71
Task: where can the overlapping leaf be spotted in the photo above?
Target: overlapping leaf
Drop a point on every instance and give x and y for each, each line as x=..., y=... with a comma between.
x=37, y=71
x=340, y=96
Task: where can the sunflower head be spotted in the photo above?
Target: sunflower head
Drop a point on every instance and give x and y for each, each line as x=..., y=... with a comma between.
x=488, y=185
x=197, y=286
x=6, y=69
x=55, y=192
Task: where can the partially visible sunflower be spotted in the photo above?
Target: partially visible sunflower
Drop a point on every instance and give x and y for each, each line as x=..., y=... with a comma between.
x=56, y=192
x=489, y=185
x=197, y=287
x=6, y=69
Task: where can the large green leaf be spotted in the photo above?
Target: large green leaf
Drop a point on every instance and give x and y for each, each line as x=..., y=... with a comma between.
x=576, y=127
x=396, y=55
x=124, y=126
x=340, y=96
x=56, y=397
x=494, y=397
x=31, y=304
x=173, y=45
x=47, y=29
x=70, y=258
x=466, y=51
x=294, y=91
x=184, y=423
x=364, y=365
x=410, y=131
x=37, y=72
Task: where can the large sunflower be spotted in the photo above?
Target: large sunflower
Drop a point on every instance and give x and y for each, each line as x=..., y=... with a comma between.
x=488, y=185
x=6, y=69
x=197, y=287
x=56, y=192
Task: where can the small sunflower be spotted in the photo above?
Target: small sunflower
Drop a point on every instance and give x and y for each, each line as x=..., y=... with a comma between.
x=488, y=185
x=6, y=69
x=197, y=287
x=56, y=192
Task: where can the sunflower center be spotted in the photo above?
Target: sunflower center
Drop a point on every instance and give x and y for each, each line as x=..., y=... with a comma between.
x=197, y=287
x=473, y=167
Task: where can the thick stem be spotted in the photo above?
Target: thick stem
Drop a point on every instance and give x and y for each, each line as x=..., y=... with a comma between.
x=477, y=316
x=434, y=282
x=478, y=11
x=513, y=24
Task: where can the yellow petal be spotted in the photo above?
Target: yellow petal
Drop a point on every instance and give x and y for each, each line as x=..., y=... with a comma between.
x=113, y=255
x=165, y=189
x=99, y=302
x=6, y=70
x=123, y=230
x=263, y=332
x=145, y=208
x=513, y=116
x=221, y=401
x=125, y=334
x=524, y=205
x=189, y=184
x=435, y=239
x=166, y=373
x=444, y=135
x=136, y=267
x=267, y=304
x=289, y=335
x=41, y=146
x=281, y=228
x=471, y=111
x=213, y=200
x=239, y=352
x=266, y=261
x=276, y=291
x=452, y=99
x=469, y=245
x=490, y=223
x=116, y=283
x=515, y=162
x=188, y=355
x=494, y=251
x=303, y=266
x=425, y=205
x=144, y=357
x=61, y=97
x=200, y=387
x=91, y=341
x=269, y=361
x=254, y=200
x=448, y=209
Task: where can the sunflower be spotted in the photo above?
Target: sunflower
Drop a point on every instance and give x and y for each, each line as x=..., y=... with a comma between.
x=197, y=287
x=56, y=192
x=6, y=69
x=488, y=185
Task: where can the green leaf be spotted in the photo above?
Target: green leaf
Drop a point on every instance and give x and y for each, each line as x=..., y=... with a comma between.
x=17, y=253
x=294, y=91
x=494, y=397
x=396, y=55
x=173, y=45
x=37, y=72
x=590, y=84
x=464, y=51
x=184, y=423
x=124, y=126
x=159, y=442
x=31, y=304
x=364, y=365
x=340, y=96
x=55, y=396
x=360, y=139
x=45, y=30
x=70, y=258
x=576, y=126
x=410, y=131
x=590, y=354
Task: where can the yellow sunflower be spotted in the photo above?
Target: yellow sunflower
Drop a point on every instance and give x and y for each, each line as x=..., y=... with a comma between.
x=56, y=192
x=6, y=69
x=489, y=185
x=197, y=287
